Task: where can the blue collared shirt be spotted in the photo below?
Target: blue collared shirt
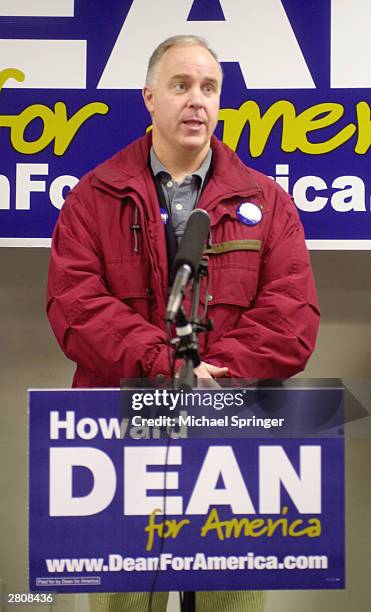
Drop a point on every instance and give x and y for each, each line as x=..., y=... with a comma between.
x=181, y=198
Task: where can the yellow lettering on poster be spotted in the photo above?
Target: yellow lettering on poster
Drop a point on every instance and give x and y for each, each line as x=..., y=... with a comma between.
x=56, y=125
x=295, y=128
x=316, y=130
x=255, y=528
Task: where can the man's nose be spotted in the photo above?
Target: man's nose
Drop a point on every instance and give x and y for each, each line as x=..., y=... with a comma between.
x=195, y=99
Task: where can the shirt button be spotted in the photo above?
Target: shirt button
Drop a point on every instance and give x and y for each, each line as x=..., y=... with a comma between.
x=179, y=206
x=169, y=184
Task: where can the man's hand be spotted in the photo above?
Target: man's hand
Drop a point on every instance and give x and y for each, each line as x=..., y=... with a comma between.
x=206, y=370
x=206, y=375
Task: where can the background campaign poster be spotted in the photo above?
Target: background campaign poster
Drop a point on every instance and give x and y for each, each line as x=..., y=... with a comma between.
x=295, y=101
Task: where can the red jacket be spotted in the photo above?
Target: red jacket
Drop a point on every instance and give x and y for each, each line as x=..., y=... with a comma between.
x=107, y=288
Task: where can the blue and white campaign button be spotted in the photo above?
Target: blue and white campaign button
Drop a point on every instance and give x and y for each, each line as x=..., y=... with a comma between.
x=249, y=213
x=164, y=215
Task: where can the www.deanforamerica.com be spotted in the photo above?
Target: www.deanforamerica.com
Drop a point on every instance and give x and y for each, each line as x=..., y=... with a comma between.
x=199, y=561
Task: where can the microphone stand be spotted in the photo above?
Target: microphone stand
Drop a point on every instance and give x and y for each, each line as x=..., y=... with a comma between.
x=187, y=333
x=188, y=350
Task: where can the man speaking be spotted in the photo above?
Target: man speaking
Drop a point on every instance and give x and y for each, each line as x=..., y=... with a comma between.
x=117, y=236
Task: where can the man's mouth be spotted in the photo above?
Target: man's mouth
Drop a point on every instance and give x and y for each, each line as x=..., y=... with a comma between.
x=193, y=122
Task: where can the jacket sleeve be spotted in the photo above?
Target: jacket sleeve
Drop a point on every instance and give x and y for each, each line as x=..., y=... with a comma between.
x=95, y=329
x=275, y=336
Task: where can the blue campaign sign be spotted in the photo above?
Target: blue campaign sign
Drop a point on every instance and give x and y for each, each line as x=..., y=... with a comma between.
x=295, y=101
x=117, y=507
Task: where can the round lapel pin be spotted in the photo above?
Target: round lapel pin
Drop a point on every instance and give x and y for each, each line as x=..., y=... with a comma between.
x=164, y=215
x=249, y=213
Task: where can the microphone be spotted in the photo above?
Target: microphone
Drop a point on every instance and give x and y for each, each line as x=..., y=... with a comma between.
x=187, y=259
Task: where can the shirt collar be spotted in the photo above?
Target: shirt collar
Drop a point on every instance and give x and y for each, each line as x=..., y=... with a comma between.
x=201, y=172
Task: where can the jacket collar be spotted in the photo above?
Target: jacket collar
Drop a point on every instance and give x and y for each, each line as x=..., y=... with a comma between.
x=126, y=165
x=229, y=174
x=128, y=169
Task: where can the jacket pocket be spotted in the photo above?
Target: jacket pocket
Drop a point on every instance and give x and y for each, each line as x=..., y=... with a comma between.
x=129, y=281
x=232, y=290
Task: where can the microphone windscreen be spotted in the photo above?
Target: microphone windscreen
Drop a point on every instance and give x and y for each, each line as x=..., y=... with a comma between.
x=193, y=241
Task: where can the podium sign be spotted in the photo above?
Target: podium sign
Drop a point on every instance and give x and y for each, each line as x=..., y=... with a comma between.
x=116, y=506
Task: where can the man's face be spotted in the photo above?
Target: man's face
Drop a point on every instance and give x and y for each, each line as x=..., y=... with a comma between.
x=184, y=100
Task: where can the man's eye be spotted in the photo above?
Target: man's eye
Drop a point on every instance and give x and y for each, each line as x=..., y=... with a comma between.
x=209, y=88
x=179, y=87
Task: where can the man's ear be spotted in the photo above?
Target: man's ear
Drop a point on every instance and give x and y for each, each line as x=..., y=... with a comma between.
x=147, y=94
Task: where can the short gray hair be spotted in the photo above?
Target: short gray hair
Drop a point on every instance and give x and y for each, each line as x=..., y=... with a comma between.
x=180, y=40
